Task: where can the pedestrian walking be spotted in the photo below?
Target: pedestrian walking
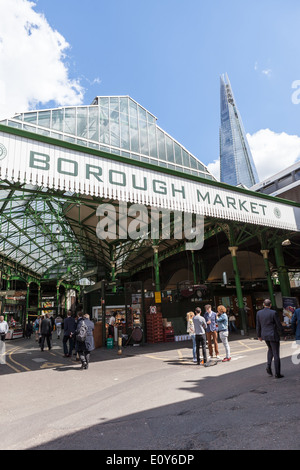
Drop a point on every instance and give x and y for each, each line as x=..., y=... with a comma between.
x=222, y=320
x=211, y=331
x=231, y=320
x=200, y=326
x=36, y=328
x=3, y=328
x=111, y=325
x=28, y=330
x=296, y=324
x=269, y=328
x=69, y=334
x=46, y=332
x=85, y=343
x=58, y=325
x=191, y=331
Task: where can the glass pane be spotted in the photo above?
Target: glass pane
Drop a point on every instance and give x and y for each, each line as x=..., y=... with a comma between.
x=142, y=114
x=82, y=122
x=57, y=119
x=170, y=150
x=44, y=118
x=151, y=119
x=132, y=109
x=186, y=158
x=94, y=123
x=41, y=131
x=114, y=122
x=125, y=140
x=104, y=103
x=82, y=142
x=193, y=162
x=200, y=166
x=70, y=121
x=161, y=144
x=134, y=135
x=104, y=126
x=144, y=141
x=152, y=140
x=30, y=117
x=178, y=157
x=124, y=105
x=114, y=105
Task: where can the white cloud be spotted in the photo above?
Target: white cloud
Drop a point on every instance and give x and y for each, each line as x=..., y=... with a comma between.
x=272, y=152
x=32, y=61
x=266, y=72
x=214, y=169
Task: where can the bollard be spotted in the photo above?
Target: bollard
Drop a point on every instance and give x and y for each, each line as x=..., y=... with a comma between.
x=119, y=342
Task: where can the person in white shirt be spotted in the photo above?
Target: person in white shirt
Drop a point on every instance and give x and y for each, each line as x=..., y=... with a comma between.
x=3, y=328
x=111, y=325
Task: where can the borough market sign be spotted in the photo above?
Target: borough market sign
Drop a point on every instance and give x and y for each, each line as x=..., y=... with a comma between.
x=37, y=161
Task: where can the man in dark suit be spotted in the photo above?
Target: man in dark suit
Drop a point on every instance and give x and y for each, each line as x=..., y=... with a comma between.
x=46, y=332
x=69, y=331
x=269, y=328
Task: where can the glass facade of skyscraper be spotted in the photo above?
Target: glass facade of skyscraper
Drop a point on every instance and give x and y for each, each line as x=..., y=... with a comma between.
x=236, y=163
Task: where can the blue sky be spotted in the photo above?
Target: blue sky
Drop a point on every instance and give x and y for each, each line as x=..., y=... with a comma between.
x=169, y=54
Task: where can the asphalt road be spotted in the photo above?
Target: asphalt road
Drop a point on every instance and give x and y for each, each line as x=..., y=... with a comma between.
x=149, y=398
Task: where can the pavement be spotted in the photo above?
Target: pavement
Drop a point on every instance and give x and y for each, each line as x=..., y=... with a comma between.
x=151, y=397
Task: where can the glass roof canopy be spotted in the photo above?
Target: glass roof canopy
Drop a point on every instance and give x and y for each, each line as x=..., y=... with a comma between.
x=113, y=124
x=35, y=237
x=51, y=234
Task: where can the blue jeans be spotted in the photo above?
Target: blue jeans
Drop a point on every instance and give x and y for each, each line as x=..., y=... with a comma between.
x=194, y=346
x=232, y=326
x=201, y=341
x=71, y=345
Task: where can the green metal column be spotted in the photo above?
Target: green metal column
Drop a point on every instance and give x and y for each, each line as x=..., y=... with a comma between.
x=57, y=297
x=194, y=267
x=202, y=270
x=103, y=309
x=156, y=269
x=282, y=271
x=239, y=293
x=27, y=302
x=113, y=270
x=66, y=301
x=39, y=299
x=265, y=254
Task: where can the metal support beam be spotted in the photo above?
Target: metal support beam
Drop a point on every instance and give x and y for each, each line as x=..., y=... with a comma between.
x=239, y=293
x=194, y=267
x=27, y=302
x=156, y=268
x=113, y=270
x=265, y=254
x=283, y=274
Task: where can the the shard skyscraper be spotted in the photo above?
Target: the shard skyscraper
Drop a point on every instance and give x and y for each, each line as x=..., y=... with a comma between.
x=236, y=163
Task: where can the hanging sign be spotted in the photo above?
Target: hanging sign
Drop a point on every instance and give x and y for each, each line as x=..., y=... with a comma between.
x=46, y=165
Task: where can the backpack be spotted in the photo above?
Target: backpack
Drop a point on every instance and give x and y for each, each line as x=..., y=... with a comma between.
x=82, y=332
